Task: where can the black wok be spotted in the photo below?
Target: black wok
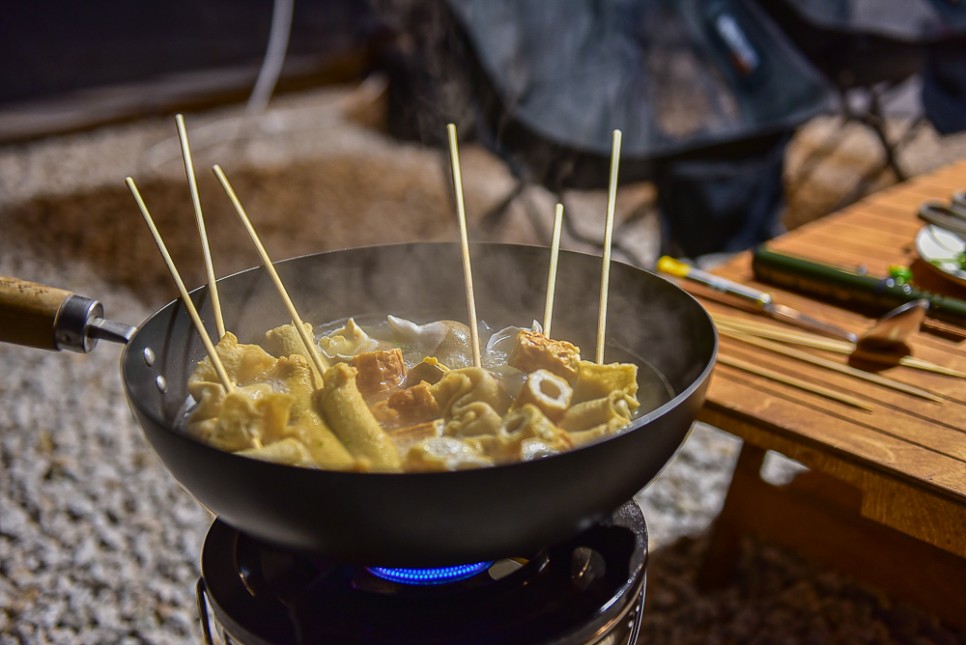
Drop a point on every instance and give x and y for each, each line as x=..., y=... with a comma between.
x=429, y=519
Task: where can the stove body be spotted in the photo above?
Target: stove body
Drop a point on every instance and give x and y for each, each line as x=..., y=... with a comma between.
x=585, y=590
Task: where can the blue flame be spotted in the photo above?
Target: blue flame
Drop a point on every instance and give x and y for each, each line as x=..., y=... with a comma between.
x=433, y=576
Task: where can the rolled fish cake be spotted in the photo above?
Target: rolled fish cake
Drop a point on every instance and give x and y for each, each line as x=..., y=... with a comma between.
x=345, y=411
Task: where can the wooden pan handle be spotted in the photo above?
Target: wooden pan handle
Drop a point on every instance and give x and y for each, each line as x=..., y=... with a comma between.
x=28, y=312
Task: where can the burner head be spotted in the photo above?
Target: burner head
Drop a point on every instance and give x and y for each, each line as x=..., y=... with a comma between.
x=433, y=576
x=588, y=589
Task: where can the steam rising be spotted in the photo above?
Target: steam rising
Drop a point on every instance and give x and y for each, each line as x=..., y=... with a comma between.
x=651, y=321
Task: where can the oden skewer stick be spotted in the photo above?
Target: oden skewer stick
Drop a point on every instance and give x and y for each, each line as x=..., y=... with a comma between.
x=608, y=237
x=805, y=339
x=791, y=381
x=185, y=298
x=552, y=277
x=831, y=365
x=465, y=244
x=189, y=171
x=320, y=363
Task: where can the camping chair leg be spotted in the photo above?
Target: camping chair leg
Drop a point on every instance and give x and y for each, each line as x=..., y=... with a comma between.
x=616, y=244
x=571, y=230
x=492, y=218
x=538, y=221
x=876, y=121
x=890, y=162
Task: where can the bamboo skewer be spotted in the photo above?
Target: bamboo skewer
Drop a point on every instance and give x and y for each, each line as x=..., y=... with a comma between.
x=608, y=238
x=820, y=342
x=464, y=244
x=321, y=365
x=774, y=332
x=189, y=171
x=552, y=277
x=794, y=382
x=185, y=297
x=837, y=367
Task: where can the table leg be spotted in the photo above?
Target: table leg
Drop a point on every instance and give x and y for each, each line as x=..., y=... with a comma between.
x=819, y=517
x=729, y=527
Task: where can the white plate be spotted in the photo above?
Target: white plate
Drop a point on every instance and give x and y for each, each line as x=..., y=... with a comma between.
x=939, y=248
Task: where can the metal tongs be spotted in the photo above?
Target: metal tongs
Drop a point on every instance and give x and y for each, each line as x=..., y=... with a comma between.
x=884, y=341
x=761, y=300
x=950, y=217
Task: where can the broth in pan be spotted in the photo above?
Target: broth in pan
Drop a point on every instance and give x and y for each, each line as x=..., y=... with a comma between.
x=397, y=396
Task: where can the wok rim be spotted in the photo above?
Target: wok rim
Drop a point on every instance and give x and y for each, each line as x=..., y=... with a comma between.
x=699, y=382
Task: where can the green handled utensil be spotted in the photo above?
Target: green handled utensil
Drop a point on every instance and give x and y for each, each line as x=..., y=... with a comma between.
x=849, y=288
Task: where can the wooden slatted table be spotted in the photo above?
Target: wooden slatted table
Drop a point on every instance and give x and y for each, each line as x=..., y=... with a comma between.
x=885, y=494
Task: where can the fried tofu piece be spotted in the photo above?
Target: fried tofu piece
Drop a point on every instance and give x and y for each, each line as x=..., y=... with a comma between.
x=414, y=404
x=379, y=371
x=429, y=369
x=534, y=351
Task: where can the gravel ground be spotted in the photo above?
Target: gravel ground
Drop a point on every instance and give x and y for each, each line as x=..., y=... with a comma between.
x=98, y=544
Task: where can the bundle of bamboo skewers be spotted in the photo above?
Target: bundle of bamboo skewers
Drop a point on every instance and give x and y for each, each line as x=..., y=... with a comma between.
x=781, y=341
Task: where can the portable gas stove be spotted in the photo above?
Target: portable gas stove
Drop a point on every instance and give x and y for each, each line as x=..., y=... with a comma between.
x=588, y=589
